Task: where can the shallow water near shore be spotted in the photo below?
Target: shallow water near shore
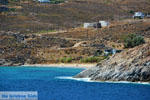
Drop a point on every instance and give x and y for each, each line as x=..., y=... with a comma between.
x=53, y=83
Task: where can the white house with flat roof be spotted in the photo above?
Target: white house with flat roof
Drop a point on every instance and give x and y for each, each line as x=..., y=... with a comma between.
x=104, y=23
x=44, y=1
x=99, y=24
x=139, y=15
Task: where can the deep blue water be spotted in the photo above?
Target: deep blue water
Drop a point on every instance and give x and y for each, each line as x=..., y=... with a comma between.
x=43, y=80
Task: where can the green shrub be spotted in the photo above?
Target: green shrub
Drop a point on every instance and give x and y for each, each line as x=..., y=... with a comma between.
x=46, y=31
x=14, y=0
x=66, y=60
x=91, y=60
x=131, y=12
x=133, y=40
x=57, y=1
x=12, y=9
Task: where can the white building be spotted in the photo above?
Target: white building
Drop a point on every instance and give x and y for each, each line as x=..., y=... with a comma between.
x=104, y=23
x=44, y=1
x=92, y=25
x=138, y=15
x=99, y=24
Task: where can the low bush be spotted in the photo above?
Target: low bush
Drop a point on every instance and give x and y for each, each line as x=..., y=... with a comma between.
x=57, y=1
x=133, y=40
x=12, y=9
x=91, y=59
x=131, y=12
x=46, y=31
x=65, y=60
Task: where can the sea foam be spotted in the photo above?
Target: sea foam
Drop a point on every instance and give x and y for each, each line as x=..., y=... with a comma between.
x=89, y=80
x=77, y=79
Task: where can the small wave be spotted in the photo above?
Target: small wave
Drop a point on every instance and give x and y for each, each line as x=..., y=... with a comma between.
x=125, y=82
x=89, y=80
x=77, y=79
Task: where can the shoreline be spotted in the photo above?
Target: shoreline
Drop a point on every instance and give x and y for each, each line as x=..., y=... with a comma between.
x=61, y=65
x=114, y=82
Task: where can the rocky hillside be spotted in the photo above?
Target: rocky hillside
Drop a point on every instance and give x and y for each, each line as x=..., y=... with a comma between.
x=130, y=65
x=76, y=44
x=41, y=33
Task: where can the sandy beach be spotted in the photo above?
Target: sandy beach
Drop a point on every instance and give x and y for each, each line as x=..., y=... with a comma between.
x=61, y=65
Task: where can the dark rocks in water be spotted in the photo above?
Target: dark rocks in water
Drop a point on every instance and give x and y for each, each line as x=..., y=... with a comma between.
x=4, y=2
x=2, y=9
x=132, y=65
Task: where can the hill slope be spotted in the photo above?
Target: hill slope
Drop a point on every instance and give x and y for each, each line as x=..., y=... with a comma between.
x=32, y=17
x=131, y=65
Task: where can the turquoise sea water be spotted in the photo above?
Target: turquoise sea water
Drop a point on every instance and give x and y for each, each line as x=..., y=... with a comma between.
x=50, y=87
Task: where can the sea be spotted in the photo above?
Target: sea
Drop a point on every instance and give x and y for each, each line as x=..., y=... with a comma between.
x=55, y=83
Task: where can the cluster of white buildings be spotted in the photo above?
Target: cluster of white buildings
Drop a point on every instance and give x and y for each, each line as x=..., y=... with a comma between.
x=100, y=24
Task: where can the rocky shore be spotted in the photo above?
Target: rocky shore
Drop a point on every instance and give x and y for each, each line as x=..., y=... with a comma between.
x=130, y=65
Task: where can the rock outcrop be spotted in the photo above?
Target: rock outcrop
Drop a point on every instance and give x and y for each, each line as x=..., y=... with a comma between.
x=130, y=65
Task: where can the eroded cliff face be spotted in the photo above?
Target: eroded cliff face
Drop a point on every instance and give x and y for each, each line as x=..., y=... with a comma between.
x=130, y=65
